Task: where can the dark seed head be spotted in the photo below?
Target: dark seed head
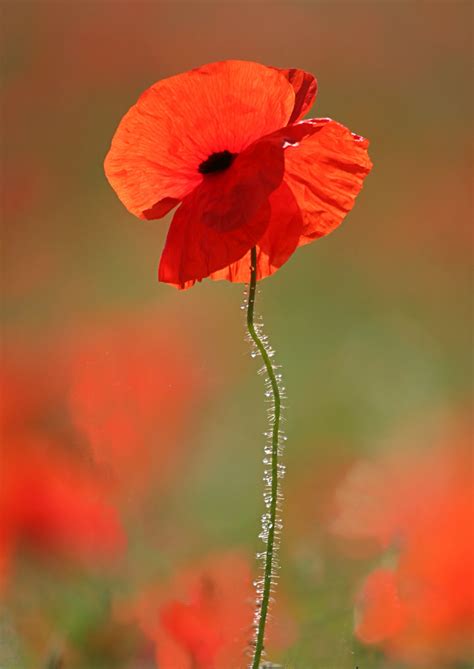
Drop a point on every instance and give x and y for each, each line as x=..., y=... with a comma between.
x=217, y=162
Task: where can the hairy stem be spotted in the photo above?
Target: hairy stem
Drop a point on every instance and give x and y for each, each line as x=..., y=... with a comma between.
x=274, y=471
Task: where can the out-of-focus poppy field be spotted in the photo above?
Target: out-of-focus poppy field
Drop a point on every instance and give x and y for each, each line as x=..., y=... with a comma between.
x=132, y=413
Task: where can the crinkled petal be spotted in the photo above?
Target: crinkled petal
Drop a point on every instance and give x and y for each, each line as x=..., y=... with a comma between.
x=277, y=244
x=306, y=87
x=180, y=121
x=224, y=217
x=325, y=166
x=324, y=169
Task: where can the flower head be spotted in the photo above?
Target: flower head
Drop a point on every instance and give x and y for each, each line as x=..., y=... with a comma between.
x=133, y=391
x=225, y=142
x=420, y=608
x=53, y=506
x=203, y=618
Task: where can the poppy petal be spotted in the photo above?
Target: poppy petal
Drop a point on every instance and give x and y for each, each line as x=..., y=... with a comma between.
x=224, y=217
x=379, y=611
x=160, y=208
x=179, y=122
x=277, y=244
x=324, y=169
x=325, y=166
x=306, y=87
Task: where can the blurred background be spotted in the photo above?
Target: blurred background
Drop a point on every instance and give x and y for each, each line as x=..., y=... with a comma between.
x=133, y=419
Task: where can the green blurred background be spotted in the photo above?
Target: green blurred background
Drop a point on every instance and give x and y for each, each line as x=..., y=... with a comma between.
x=372, y=324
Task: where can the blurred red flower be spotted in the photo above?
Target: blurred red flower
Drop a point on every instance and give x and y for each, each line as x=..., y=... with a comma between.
x=420, y=505
x=226, y=141
x=31, y=387
x=203, y=618
x=53, y=506
x=52, y=503
x=133, y=393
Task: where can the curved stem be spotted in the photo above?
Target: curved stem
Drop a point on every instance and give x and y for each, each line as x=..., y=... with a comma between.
x=271, y=524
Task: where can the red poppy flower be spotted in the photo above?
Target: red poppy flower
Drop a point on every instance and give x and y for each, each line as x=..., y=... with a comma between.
x=54, y=507
x=421, y=610
x=133, y=394
x=225, y=142
x=203, y=618
x=31, y=386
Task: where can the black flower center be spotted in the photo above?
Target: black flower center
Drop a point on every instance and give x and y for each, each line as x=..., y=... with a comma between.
x=217, y=162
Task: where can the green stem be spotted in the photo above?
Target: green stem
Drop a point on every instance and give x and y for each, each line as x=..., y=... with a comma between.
x=270, y=522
